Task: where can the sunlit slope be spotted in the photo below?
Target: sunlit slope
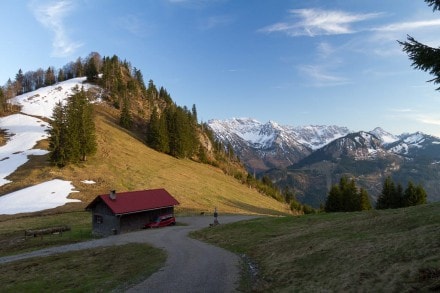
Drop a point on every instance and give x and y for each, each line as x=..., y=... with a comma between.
x=123, y=163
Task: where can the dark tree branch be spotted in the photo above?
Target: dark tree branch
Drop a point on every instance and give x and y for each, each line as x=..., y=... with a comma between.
x=435, y=4
x=424, y=57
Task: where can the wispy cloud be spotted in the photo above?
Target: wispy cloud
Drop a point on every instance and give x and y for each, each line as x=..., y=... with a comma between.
x=216, y=21
x=133, y=24
x=408, y=26
x=314, y=22
x=321, y=77
x=52, y=15
x=431, y=120
x=402, y=110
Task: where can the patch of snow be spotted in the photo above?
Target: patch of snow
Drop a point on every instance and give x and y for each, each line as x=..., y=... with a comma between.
x=88, y=182
x=384, y=136
x=47, y=195
x=42, y=101
x=24, y=132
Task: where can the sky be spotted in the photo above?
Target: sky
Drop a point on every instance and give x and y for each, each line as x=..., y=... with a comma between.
x=314, y=62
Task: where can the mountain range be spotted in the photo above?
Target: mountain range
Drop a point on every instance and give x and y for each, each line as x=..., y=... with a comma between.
x=310, y=159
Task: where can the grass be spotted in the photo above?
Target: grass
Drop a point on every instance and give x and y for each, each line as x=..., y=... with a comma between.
x=103, y=269
x=375, y=251
x=124, y=163
x=13, y=240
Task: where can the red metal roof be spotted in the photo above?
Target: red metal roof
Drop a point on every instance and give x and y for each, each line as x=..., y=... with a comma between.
x=137, y=201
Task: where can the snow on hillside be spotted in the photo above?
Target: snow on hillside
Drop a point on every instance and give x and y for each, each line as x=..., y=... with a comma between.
x=23, y=133
x=47, y=195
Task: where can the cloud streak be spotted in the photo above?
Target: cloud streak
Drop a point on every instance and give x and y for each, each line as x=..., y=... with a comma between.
x=407, y=26
x=216, y=21
x=134, y=25
x=52, y=15
x=315, y=22
x=320, y=76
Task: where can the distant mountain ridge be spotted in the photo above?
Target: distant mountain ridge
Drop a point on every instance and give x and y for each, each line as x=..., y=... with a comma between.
x=269, y=145
x=310, y=159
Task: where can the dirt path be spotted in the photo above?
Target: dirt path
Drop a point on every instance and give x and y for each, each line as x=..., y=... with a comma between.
x=191, y=266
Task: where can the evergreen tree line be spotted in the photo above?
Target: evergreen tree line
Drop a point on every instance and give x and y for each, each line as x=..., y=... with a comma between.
x=72, y=131
x=393, y=196
x=346, y=197
x=174, y=131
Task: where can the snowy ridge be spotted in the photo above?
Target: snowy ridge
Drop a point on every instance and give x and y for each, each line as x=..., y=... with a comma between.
x=273, y=145
x=384, y=136
x=265, y=135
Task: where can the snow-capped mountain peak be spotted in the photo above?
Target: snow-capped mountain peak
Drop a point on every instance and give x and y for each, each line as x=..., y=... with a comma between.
x=272, y=144
x=384, y=136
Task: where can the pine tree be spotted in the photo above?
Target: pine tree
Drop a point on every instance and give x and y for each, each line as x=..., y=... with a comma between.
x=58, y=136
x=61, y=77
x=19, y=81
x=72, y=131
x=365, y=203
x=2, y=101
x=125, y=119
x=421, y=195
x=386, y=198
x=424, y=57
x=91, y=70
x=194, y=113
x=398, y=197
x=49, y=77
x=351, y=200
x=86, y=125
x=158, y=137
x=414, y=195
x=410, y=195
x=334, y=200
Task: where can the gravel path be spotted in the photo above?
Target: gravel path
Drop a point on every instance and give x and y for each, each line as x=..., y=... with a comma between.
x=191, y=266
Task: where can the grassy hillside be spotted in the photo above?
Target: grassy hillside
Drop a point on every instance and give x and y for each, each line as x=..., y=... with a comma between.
x=374, y=251
x=124, y=163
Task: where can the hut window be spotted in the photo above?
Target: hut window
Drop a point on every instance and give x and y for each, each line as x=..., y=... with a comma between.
x=98, y=219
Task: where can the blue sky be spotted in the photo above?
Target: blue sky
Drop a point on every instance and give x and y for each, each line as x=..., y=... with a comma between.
x=294, y=62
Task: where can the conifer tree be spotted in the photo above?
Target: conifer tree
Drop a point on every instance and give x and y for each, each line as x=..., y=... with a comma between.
x=365, y=203
x=61, y=77
x=58, y=136
x=2, y=101
x=49, y=77
x=125, y=119
x=194, y=113
x=414, y=195
x=91, y=70
x=157, y=136
x=423, y=56
x=346, y=197
x=386, y=198
x=19, y=81
x=334, y=200
x=72, y=131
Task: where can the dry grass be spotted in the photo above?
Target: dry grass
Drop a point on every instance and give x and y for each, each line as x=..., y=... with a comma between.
x=104, y=269
x=377, y=251
x=12, y=231
x=124, y=163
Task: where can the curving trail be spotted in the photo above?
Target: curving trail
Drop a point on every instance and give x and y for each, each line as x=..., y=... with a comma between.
x=191, y=266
